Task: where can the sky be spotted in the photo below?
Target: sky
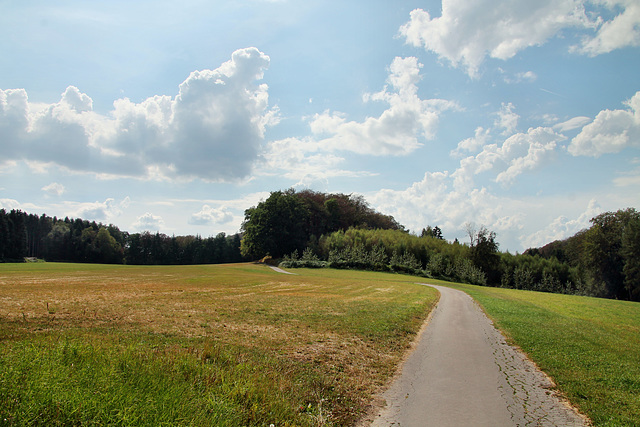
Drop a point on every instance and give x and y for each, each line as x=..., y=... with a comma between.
x=175, y=117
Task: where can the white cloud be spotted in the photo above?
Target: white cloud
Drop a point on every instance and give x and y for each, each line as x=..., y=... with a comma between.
x=397, y=130
x=208, y=216
x=525, y=152
x=97, y=211
x=10, y=204
x=610, y=132
x=628, y=180
x=526, y=76
x=435, y=200
x=450, y=200
x=562, y=227
x=473, y=144
x=212, y=129
x=303, y=160
x=470, y=30
x=621, y=31
x=571, y=124
x=148, y=222
x=54, y=189
x=519, y=153
x=507, y=119
x=529, y=76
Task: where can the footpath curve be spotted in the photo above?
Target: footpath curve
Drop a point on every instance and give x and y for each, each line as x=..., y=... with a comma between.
x=463, y=373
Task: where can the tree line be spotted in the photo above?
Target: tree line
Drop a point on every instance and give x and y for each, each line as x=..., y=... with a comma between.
x=607, y=254
x=309, y=229
x=25, y=235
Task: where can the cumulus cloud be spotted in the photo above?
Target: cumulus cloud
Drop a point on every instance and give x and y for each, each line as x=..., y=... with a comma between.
x=54, y=189
x=10, y=204
x=435, y=200
x=212, y=129
x=562, y=227
x=528, y=76
x=519, y=153
x=473, y=144
x=507, y=119
x=303, y=160
x=621, y=31
x=610, y=132
x=525, y=76
x=450, y=199
x=148, y=222
x=468, y=31
x=397, y=130
x=208, y=216
x=525, y=152
x=97, y=211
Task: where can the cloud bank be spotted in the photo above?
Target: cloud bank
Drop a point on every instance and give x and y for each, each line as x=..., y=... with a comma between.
x=212, y=129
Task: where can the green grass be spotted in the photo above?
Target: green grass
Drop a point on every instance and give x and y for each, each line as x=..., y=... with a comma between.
x=104, y=379
x=589, y=346
x=226, y=345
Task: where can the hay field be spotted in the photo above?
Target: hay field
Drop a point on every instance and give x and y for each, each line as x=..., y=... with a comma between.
x=199, y=345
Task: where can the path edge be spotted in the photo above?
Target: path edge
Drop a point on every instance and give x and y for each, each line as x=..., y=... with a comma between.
x=378, y=403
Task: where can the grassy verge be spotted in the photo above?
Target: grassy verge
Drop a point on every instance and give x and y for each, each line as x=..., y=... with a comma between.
x=218, y=345
x=589, y=346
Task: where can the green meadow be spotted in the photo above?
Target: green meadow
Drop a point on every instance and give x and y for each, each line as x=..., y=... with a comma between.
x=242, y=345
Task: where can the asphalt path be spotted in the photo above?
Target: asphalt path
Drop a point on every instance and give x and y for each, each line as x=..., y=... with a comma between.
x=463, y=373
x=279, y=270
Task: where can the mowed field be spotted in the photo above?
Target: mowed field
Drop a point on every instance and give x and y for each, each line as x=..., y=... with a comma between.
x=232, y=345
x=221, y=345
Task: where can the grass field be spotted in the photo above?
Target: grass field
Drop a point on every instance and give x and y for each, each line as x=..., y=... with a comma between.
x=224, y=345
x=589, y=346
x=233, y=345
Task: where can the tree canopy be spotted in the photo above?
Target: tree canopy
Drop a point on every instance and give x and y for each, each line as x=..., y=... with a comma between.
x=289, y=220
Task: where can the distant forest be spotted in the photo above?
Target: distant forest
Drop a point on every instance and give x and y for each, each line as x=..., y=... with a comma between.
x=312, y=229
x=25, y=235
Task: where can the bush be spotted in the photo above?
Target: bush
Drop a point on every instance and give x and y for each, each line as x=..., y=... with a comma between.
x=308, y=260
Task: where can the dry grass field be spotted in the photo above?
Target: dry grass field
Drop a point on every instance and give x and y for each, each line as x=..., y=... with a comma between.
x=199, y=345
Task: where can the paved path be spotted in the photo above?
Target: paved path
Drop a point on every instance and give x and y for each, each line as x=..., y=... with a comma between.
x=279, y=270
x=463, y=373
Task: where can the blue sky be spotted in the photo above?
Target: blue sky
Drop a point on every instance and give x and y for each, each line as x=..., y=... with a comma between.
x=175, y=117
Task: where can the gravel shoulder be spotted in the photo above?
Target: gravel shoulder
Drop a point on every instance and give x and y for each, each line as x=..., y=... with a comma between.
x=462, y=373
